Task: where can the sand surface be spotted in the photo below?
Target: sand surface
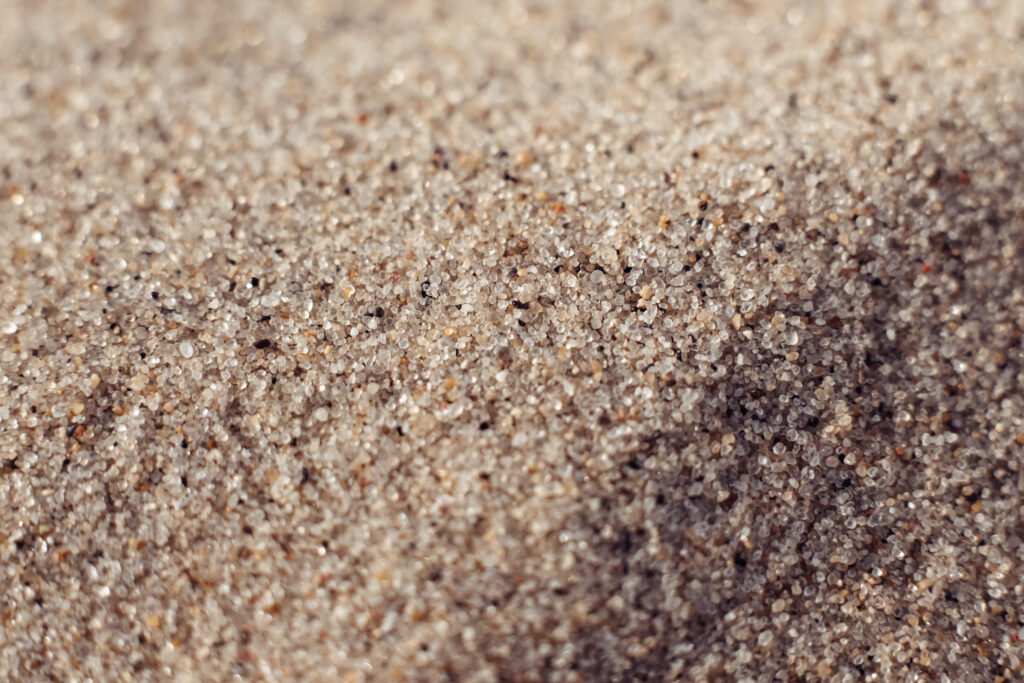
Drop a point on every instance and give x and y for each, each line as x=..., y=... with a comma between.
x=511, y=341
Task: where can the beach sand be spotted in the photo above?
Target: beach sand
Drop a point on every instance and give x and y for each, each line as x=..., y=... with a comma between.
x=512, y=341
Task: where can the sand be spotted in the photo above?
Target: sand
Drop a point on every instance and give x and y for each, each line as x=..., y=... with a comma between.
x=513, y=341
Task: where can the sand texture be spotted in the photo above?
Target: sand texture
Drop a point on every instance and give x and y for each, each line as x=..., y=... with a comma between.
x=511, y=341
